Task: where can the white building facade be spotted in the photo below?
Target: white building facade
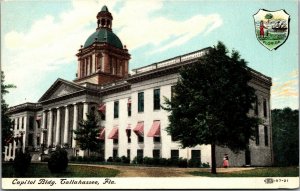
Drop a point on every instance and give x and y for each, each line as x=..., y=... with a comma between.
x=133, y=123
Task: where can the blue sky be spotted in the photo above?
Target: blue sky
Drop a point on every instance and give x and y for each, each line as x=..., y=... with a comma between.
x=39, y=39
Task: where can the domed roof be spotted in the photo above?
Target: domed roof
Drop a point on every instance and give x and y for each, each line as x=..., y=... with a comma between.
x=105, y=36
x=104, y=8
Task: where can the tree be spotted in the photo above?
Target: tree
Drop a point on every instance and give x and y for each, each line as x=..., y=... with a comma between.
x=268, y=16
x=211, y=103
x=6, y=123
x=87, y=133
x=285, y=128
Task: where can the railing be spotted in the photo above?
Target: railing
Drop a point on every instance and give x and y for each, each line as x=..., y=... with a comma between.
x=172, y=61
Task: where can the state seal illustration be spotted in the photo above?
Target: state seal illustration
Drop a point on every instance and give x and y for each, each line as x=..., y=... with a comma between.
x=271, y=27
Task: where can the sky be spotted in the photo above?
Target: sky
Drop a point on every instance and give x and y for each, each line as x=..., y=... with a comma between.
x=39, y=39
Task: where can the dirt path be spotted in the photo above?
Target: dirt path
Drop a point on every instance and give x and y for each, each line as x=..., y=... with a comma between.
x=138, y=171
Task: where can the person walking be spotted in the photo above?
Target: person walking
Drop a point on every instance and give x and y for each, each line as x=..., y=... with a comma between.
x=226, y=161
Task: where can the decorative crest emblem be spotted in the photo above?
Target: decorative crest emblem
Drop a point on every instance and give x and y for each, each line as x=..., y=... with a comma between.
x=271, y=27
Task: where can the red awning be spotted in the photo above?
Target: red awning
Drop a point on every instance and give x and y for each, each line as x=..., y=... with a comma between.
x=155, y=129
x=102, y=108
x=139, y=129
x=102, y=134
x=38, y=118
x=114, y=134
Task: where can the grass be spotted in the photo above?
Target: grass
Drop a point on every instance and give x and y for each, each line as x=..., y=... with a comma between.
x=41, y=170
x=258, y=172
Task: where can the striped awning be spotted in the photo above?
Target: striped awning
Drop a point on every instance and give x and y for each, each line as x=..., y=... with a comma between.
x=102, y=108
x=139, y=129
x=114, y=134
x=155, y=129
x=101, y=134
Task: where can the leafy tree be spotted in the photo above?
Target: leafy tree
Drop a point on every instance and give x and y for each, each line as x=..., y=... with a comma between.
x=6, y=123
x=268, y=16
x=87, y=133
x=211, y=102
x=285, y=124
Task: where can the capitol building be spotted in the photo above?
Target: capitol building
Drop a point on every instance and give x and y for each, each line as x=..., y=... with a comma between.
x=129, y=103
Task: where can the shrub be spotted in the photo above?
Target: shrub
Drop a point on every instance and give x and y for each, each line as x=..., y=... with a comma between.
x=163, y=161
x=194, y=163
x=100, y=159
x=110, y=159
x=156, y=161
x=174, y=162
x=148, y=160
x=125, y=159
x=79, y=159
x=58, y=161
x=73, y=158
x=205, y=165
x=21, y=163
x=182, y=163
x=117, y=159
x=137, y=160
x=85, y=158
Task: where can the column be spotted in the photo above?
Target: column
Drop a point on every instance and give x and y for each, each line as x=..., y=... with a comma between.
x=25, y=133
x=43, y=127
x=9, y=150
x=78, y=69
x=93, y=63
x=66, y=127
x=57, y=126
x=14, y=143
x=50, y=126
x=85, y=110
x=75, y=123
x=6, y=153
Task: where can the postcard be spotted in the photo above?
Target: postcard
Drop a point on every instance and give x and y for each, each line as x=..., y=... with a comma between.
x=149, y=94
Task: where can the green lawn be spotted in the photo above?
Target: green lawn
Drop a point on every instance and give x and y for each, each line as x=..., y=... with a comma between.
x=258, y=172
x=41, y=170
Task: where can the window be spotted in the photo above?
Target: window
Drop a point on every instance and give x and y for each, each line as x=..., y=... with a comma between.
x=38, y=123
x=30, y=139
x=156, y=139
x=156, y=99
x=156, y=153
x=38, y=140
x=116, y=109
x=128, y=132
x=174, y=154
x=265, y=108
x=140, y=153
x=115, y=153
x=196, y=154
x=17, y=123
x=31, y=122
x=266, y=136
x=129, y=107
x=256, y=106
x=141, y=102
x=116, y=141
x=128, y=153
x=172, y=138
x=140, y=139
x=257, y=135
x=22, y=125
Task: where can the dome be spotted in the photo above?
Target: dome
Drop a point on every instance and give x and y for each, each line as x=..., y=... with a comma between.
x=104, y=35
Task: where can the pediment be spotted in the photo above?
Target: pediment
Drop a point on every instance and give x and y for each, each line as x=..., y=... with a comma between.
x=60, y=88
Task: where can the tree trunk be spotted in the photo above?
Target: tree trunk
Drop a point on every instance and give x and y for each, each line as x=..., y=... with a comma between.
x=213, y=159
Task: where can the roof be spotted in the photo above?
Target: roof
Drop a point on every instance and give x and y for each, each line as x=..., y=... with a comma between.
x=104, y=8
x=104, y=35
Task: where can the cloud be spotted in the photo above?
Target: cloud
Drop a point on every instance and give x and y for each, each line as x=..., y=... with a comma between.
x=51, y=42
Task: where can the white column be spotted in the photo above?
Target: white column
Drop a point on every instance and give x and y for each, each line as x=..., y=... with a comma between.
x=6, y=153
x=14, y=148
x=25, y=133
x=75, y=123
x=9, y=150
x=43, y=127
x=66, y=127
x=50, y=126
x=57, y=127
x=85, y=110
